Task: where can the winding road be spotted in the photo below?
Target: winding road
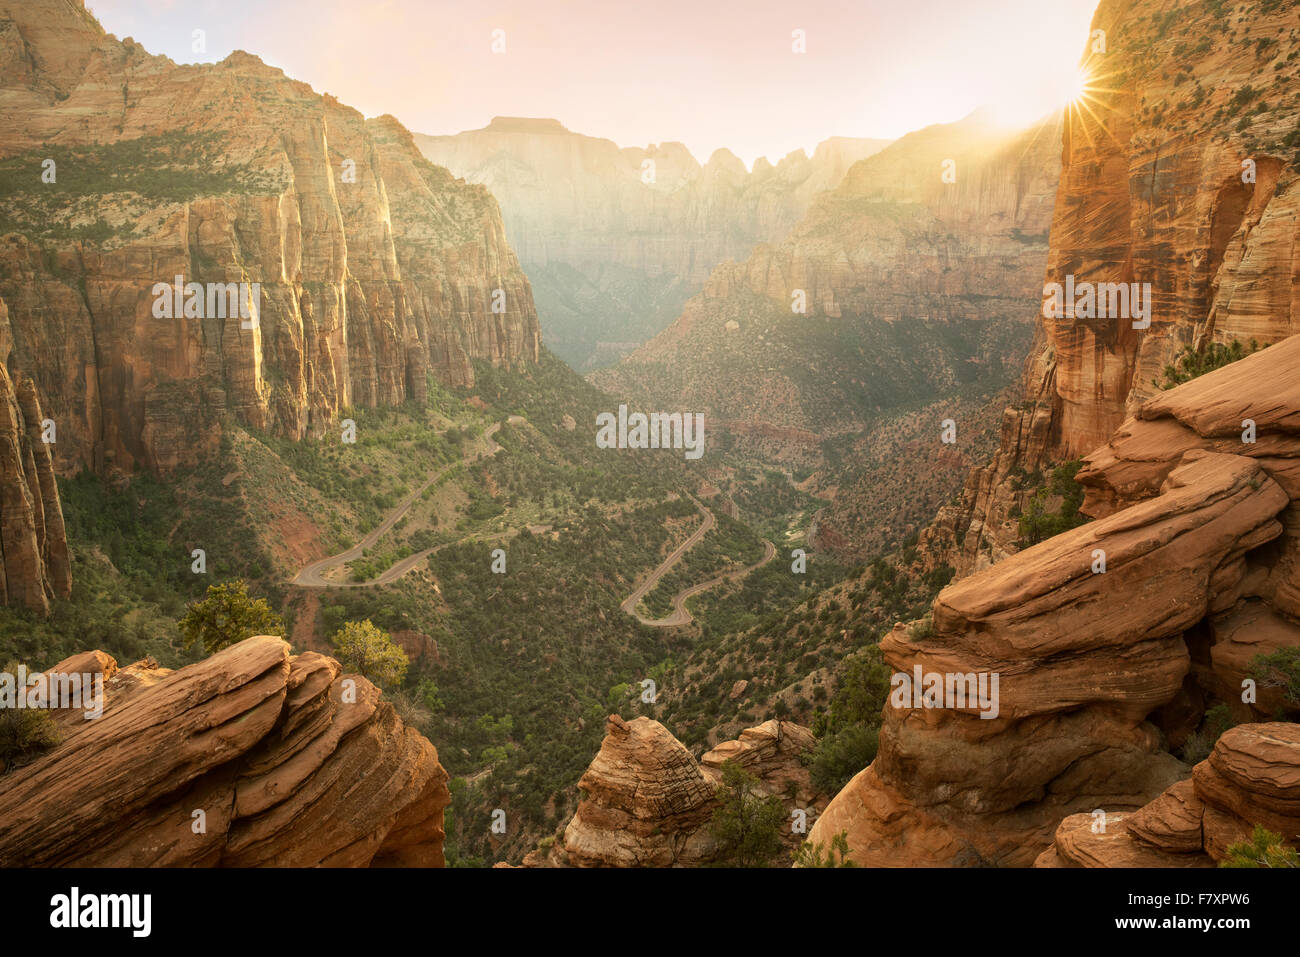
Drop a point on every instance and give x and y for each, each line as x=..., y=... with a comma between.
x=313, y=575
x=680, y=614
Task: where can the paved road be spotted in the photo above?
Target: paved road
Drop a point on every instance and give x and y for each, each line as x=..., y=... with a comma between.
x=632, y=600
x=680, y=615
x=312, y=576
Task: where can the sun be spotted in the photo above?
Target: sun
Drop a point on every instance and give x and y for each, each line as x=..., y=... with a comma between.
x=1078, y=86
x=1072, y=91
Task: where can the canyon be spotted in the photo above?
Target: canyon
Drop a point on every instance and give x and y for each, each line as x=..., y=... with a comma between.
x=1107, y=667
x=614, y=240
x=896, y=302
x=832, y=317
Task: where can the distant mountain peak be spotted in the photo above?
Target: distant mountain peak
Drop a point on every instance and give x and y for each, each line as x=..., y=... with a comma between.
x=524, y=124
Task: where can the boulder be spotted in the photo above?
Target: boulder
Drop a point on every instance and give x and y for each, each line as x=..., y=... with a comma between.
x=252, y=757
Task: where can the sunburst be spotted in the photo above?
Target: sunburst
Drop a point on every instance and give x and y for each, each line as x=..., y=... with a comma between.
x=1088, y=102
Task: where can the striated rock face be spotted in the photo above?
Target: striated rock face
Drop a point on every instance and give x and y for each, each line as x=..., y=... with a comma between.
x=648, y=802
x=376, y=269
x=771, y=753
x=290, y=763
x=1252, y=777
x=1101, y=667
x=1152, y=191
x=35, y=567
x=614, y=240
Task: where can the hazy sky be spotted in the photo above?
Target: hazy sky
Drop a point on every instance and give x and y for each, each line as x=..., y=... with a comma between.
x=709, y=73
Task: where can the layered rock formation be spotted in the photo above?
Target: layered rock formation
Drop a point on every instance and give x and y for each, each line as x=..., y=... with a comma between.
x=253, y=757
x=1251, y=778
x=1178, y=170
x=1110, y=640
x=35, y=567
x=376, y=269
x=615, y=240
x=647, y=802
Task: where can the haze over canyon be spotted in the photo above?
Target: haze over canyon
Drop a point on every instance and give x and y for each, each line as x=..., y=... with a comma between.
x=519, y=497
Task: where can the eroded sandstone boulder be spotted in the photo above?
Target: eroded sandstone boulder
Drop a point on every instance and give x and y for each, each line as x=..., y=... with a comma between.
x=1083, y=658
x=252, y=757
x=647, y=802
x=1252, y=777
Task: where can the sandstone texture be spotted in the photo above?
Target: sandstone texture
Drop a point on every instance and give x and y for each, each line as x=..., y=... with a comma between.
x=1166, y=180
x=35, y=568
x=290, y=763
x=1252, y=777
x=647, y=802
x=377, y=269
x=1101, y=671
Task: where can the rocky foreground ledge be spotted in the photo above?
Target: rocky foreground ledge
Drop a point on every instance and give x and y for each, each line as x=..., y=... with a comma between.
x=1252, y=777
x=253, y=757
x=1111, y=640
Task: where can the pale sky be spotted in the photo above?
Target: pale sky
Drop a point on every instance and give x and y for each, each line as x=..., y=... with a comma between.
x=709, y=73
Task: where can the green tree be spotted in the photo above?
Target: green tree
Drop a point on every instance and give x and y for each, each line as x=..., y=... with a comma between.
x=24, y=732
x=1190, y=364
x=816, y=855
x=1038, y=523
x=227, y=615
x=427, y=692
x=1281, y=669
x=1264, y=849
x=747, y=824
x=370, y=652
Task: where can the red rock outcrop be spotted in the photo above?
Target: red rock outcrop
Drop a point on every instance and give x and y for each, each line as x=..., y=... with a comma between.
x=1252, y=777
x=376, y=268
x=1177, y=171
x=771, y=753
x=290, y=763
x=35, y=568
x=1109, y=639
x=647, y=802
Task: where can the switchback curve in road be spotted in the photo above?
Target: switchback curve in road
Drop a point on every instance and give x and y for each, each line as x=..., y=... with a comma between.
x=312, y=576
x=680, y=614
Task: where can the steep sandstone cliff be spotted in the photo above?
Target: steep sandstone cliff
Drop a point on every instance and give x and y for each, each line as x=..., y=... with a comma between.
x=1178, y=170
x=35, y=568
x=376, y=268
